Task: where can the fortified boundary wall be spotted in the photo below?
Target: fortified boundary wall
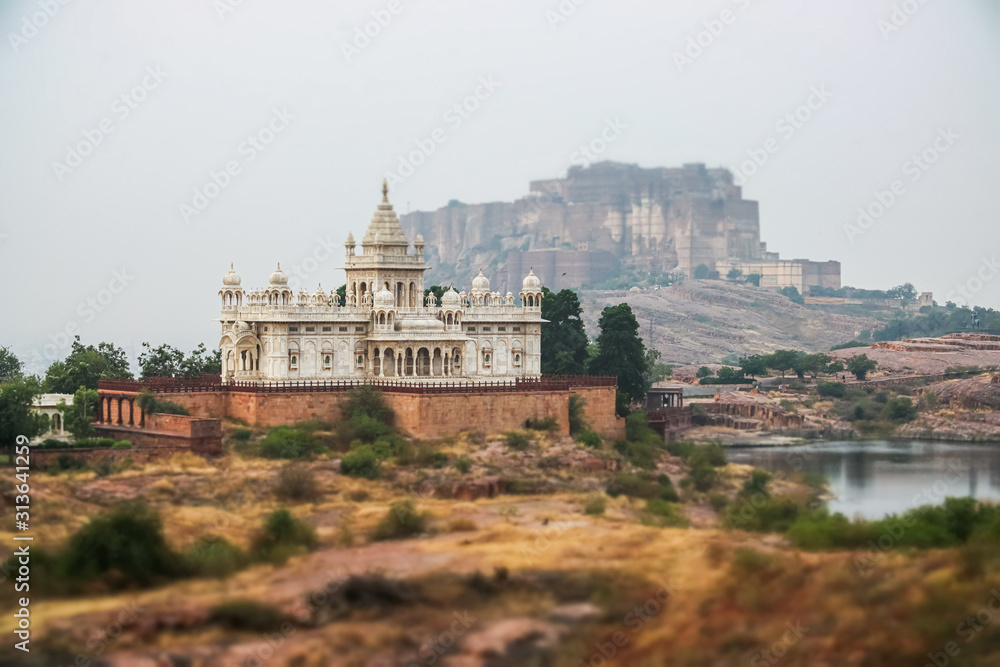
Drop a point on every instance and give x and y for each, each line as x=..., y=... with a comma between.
x=429, y=411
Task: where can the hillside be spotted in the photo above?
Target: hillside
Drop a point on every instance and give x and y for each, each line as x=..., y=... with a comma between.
x=704, y=321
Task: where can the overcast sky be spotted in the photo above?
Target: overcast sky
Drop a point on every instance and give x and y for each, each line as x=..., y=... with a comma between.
x=163, y=94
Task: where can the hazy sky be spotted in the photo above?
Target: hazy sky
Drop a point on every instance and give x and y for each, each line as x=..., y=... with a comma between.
x=115, y=113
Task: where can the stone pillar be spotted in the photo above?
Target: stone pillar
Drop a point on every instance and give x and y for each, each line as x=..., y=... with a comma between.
x=131, y=412
x=119, y=411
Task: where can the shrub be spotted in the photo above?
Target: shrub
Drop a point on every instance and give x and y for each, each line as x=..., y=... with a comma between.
x=775, y=514
x=639, y=454
x=122, y=444
x=757, y=483
x=150, y=404
x=369, y=402
x=361, y=462
x=634, y=485
x=703, y=477
x=577, y=423
x=296, y=481
x=246, y=615
x=832, y=389
x=718, y=501
x=589, y=439
x=286, y=442
x=400, y=522
x=463, y=464
x=461, y=525
x=282, y=536
x=899, y=409
x=667, y=490
x=670, y=514
x=713, y=455
x=368, y=428
x=595, y=505
x=547, y=424
x=241, y=434
x=214, y=556
x=517, y=441
x=124, y=547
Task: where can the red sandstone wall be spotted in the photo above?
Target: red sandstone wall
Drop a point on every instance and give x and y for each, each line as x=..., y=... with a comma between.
x=423, y=416
x=599, y=411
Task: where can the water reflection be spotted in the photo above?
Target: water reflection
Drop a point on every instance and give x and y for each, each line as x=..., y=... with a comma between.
x=872, y=479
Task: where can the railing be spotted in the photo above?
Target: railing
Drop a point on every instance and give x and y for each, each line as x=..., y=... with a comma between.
x=417, y=385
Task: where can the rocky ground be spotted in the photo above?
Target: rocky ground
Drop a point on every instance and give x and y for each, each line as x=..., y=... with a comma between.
x=704, y=321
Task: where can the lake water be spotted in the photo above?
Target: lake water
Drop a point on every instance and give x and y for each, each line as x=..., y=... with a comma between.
x=872, y=479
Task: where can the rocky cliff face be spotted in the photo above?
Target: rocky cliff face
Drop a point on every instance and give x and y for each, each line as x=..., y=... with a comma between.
x=589, y=225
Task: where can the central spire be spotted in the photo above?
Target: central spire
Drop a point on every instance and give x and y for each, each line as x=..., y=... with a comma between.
x=386, y=224
x=385, y=191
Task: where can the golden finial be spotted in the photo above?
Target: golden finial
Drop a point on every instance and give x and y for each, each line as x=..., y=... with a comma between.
x=385, y=190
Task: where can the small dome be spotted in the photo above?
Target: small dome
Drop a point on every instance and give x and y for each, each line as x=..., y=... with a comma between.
x=231, y=279
x=350, y=239
x=509, y=295
x=450, y=298
x=319, y=290
x=419, y=240
x=278, y=277
x=481, y=283
x=241, y=326
x=531, y=282
x=384, y=298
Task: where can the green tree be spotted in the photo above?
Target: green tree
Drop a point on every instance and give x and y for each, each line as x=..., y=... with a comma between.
x=621, y=353
x=85, y=365
x=564, y=339
x=813, y=364
x=16, y=416
x=655, y=371
x=754, y=279
x=342, y=294
x=734, y=274
x=168, y=361
x=782, y=360
x=704, y=372
x=78, y=417
x=437, y=291
x=792, y=293
x=701, y=272
x=860, y=366
x=10, y=365
x=754, y=365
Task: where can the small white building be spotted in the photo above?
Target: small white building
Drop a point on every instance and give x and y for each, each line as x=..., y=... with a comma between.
x=384, y=328
x=47, y=404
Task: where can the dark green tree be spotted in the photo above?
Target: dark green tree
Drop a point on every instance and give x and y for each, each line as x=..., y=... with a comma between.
x=754, y=365
x=655, y=371
x=793, y=293
x=734, y=274
x=168, y=361
x=753, y=279
x=860, y=366
x=437, y=291
x=85, y=365
x=783, y=360
x=78, y=417
x=701, y=272
x=10, y=365
x=704, y=372
x=342, y=294
x=813, y=364
x=564, y=339
x=16, y=416
x=621, y=353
